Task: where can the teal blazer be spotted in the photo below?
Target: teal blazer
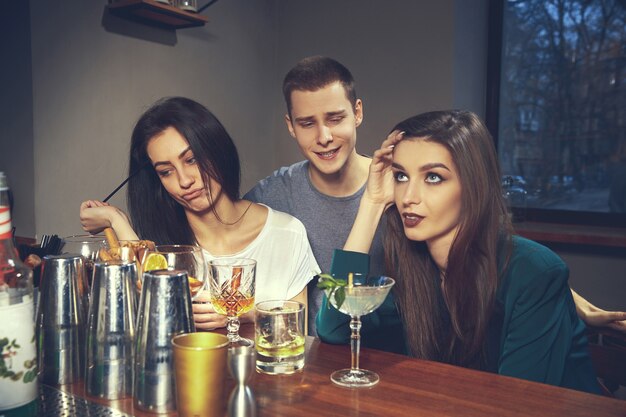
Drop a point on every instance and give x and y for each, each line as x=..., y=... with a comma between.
x=539, y=336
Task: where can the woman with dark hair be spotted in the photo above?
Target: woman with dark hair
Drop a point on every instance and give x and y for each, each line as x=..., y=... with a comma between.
x=468, y=291
x=185, y=190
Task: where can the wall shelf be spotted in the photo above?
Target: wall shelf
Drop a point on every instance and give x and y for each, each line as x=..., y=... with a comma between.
x=154, y=13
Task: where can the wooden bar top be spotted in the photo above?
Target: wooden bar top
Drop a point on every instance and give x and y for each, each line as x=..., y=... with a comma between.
x=410, y=387
x=407, y=387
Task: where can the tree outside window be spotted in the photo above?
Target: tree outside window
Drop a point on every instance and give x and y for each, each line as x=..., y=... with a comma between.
x=561, y=107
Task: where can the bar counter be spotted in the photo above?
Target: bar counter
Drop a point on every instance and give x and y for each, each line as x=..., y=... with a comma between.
x=407, y=387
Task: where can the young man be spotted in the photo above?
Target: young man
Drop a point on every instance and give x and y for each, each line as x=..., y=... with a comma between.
x=324, y=191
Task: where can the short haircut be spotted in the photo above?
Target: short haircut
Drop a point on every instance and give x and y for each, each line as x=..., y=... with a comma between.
x=316, y=72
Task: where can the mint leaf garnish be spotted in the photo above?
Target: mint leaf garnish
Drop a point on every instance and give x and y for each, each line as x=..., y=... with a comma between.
x=334, y=287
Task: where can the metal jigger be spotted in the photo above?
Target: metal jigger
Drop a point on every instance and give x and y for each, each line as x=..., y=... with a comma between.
x=241, y=365
x=164, y=311
x=60, y=327
x=111, y=330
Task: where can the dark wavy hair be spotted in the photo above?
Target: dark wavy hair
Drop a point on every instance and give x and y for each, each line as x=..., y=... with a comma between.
x=471, y=275
x=316, y=72
x=154, y=214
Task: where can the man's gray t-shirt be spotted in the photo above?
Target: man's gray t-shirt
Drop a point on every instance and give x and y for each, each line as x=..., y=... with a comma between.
x=328, y=220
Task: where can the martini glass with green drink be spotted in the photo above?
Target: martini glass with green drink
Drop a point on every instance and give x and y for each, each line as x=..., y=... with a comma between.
x=356, y=297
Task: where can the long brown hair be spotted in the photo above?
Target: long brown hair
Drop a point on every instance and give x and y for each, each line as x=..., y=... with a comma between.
x=154, y=213
x=471, y=275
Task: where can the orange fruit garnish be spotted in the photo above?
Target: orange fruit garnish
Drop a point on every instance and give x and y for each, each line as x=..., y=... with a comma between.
x=194, y=285
x=154, y=261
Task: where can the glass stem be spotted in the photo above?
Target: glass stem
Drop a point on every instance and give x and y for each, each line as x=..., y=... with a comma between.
x=355, y=341
x=233, y=328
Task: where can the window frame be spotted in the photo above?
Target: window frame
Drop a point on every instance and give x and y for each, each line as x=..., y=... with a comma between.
x=494, y=67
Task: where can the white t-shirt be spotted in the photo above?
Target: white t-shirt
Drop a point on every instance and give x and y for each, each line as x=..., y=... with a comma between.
x=285, y=261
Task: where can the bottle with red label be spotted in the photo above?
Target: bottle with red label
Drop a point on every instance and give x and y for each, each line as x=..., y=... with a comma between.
x=18, y=354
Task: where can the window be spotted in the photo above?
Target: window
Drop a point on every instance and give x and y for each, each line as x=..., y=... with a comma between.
x=557, y=106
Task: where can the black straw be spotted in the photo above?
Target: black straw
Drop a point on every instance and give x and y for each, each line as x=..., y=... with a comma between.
x=124, y=182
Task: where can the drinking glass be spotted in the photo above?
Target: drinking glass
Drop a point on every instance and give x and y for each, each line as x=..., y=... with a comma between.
x=362, y=296
x=60, y=324
x=232, y=282
x=187, y=258
x=164, y=311
x=279, y=336
x=86, y=245
x=200, y=364
x=188, y=5
x=128, y=251
x=111, y=330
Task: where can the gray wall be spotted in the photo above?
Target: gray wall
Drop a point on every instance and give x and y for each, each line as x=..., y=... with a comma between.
x=388, y=47
x=65, y=128
x=94, y=74
x=16, y=113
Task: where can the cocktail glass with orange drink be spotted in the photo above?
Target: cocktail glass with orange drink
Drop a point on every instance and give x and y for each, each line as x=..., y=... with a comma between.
x=232, y=284
x=187, y=258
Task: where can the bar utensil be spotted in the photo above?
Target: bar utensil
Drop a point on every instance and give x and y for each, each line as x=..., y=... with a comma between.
x=111, y=330
x=89, y=246
x=200, y=361
x=60, y=321
x=164, y=311
x=241, y=365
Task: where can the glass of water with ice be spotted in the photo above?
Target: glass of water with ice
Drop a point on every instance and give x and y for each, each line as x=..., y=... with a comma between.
x=279, y=337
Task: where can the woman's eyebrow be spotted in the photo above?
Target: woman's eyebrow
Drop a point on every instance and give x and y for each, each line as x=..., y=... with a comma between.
x=431, y=165
x=180, y=155
x=425, y=167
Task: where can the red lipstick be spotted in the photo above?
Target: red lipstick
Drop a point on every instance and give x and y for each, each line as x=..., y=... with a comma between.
x=411, y=219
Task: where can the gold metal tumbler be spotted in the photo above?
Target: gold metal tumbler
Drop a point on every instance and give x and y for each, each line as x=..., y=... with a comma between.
x=200, y=368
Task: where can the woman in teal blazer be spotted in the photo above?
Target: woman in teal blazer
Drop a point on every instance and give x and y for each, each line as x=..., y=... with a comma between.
x=467, y=291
